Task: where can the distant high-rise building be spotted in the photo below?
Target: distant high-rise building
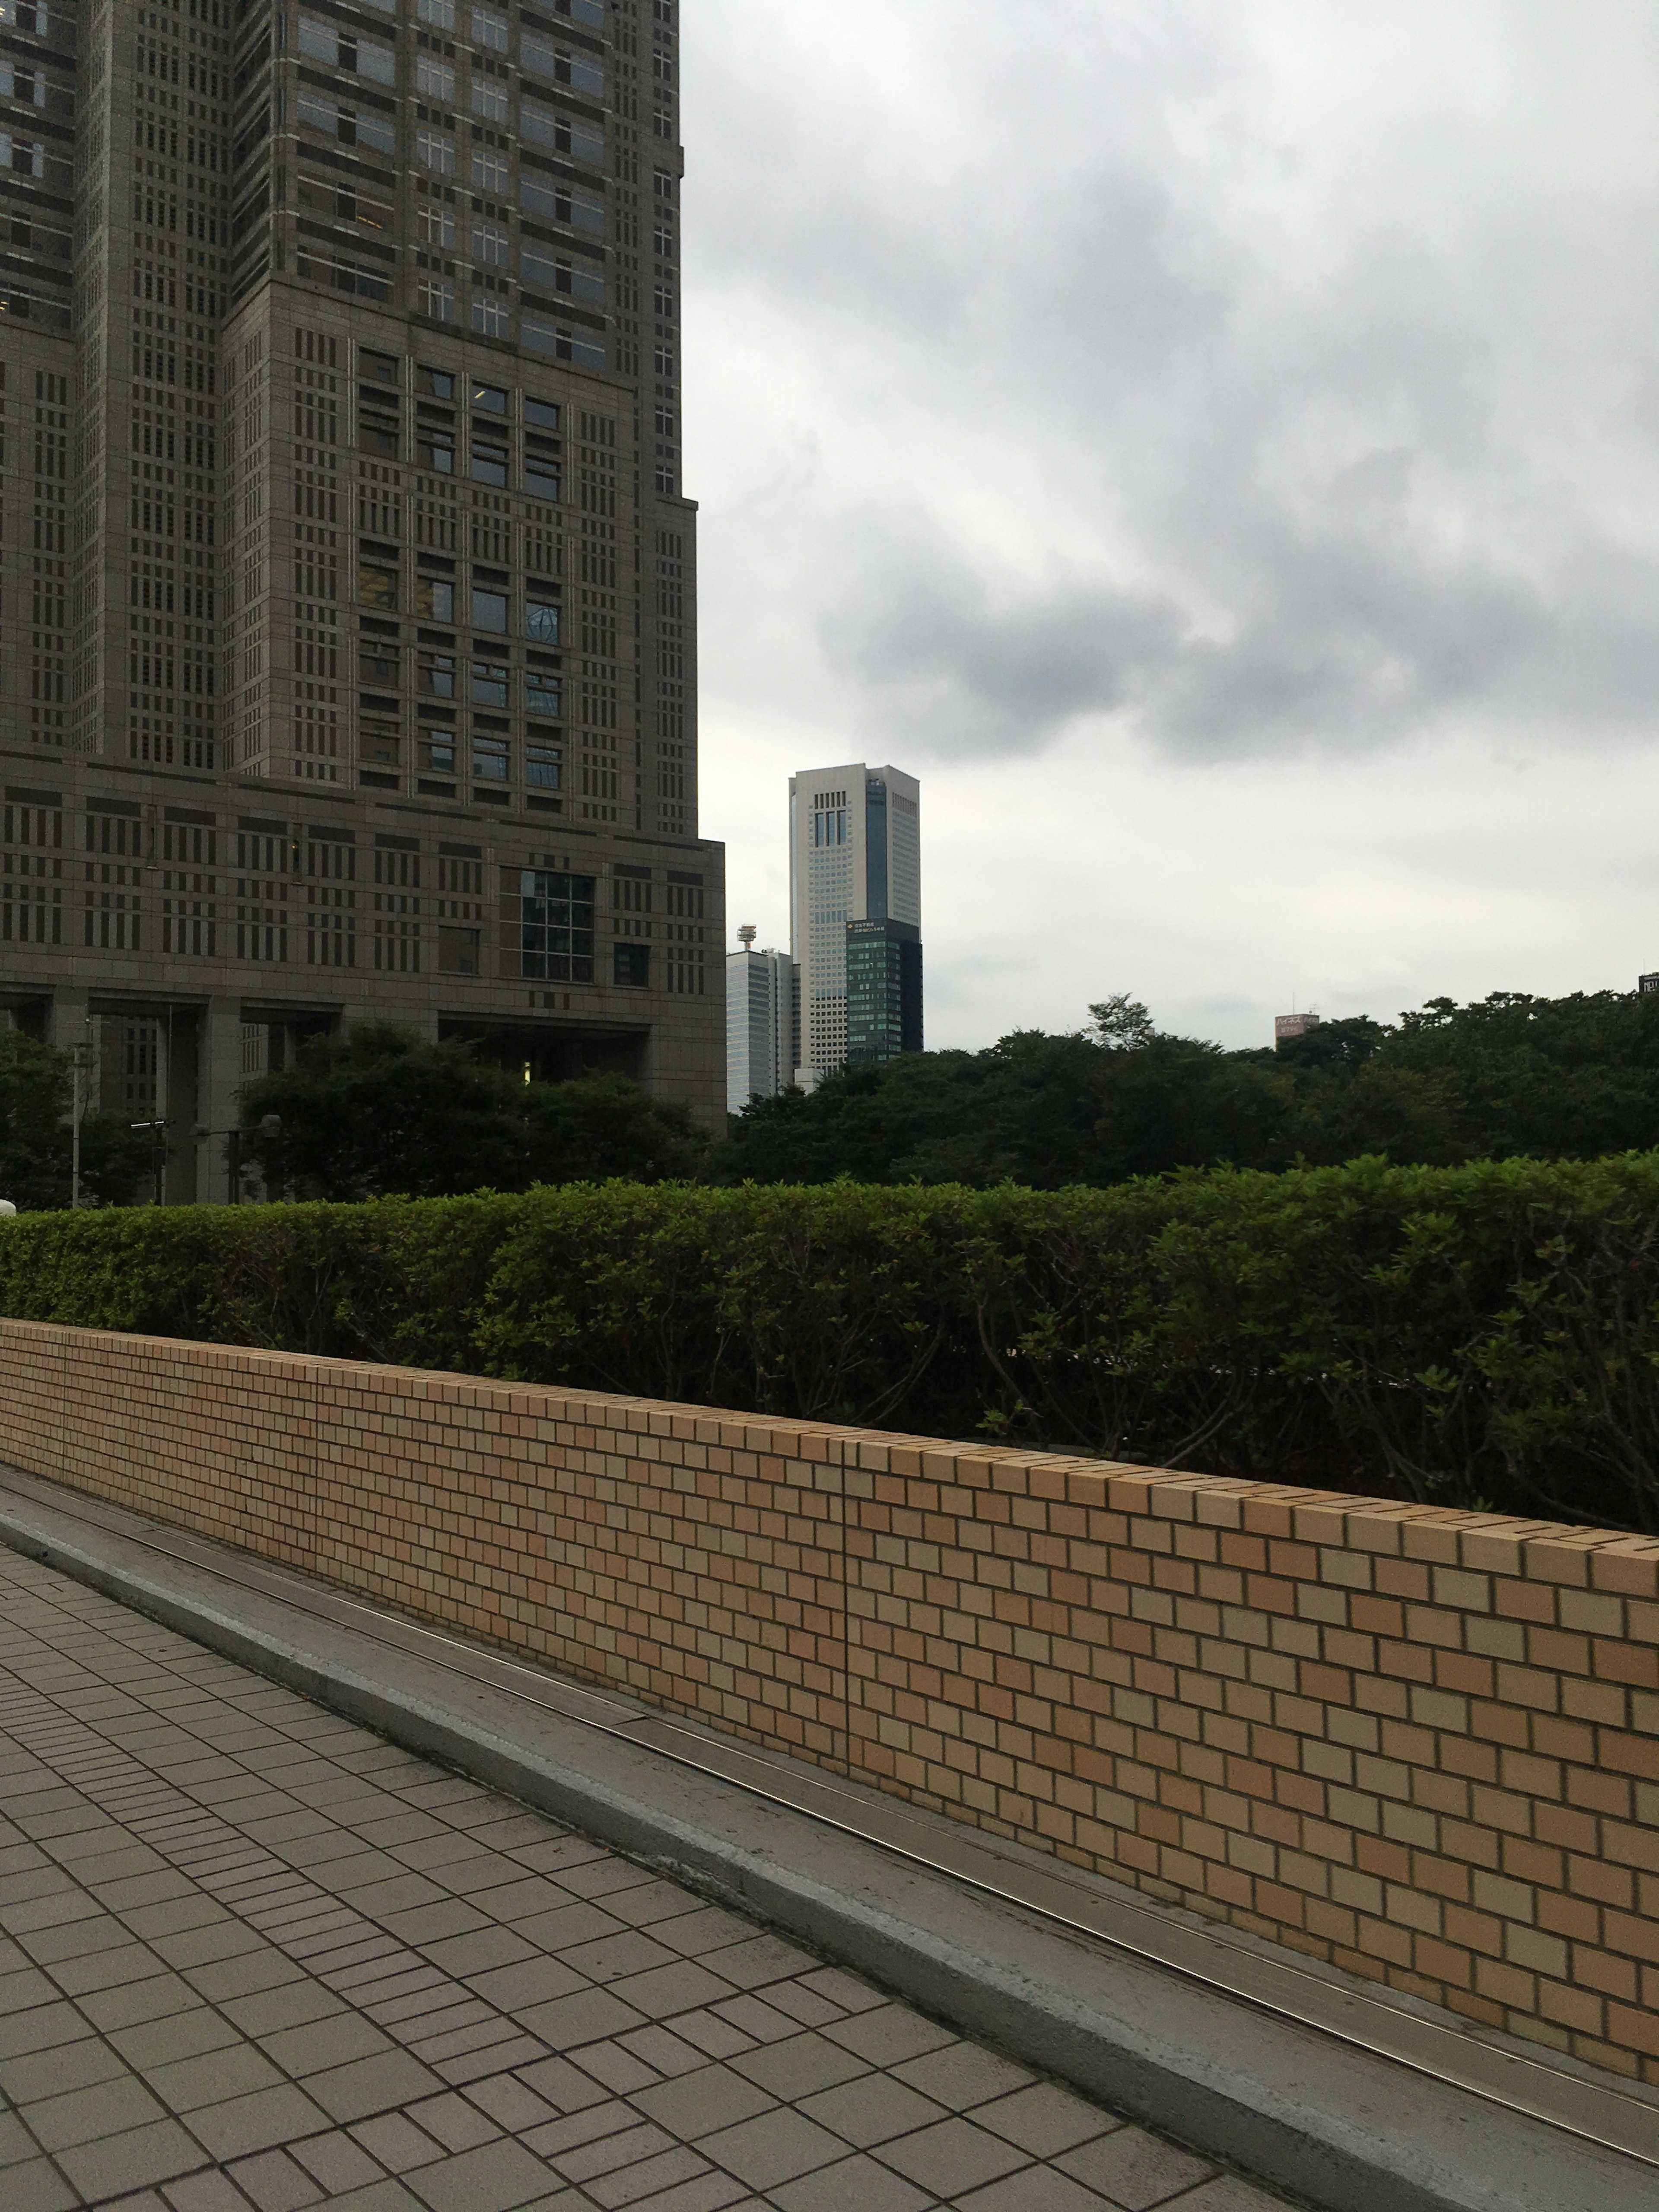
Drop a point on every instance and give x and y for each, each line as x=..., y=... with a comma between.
x=1286, y=1026
x=1648, y=982
x=884, y=990
x=763, y=1023
x=854, y=856
x=347, y=582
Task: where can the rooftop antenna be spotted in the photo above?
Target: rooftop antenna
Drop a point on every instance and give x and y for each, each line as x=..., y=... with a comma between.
x=746, y=936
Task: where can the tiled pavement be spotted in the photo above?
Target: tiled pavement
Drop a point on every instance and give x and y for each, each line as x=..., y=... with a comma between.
x=253, y=1958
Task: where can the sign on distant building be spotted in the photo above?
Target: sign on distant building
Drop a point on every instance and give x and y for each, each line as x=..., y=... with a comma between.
x=1293, y=1025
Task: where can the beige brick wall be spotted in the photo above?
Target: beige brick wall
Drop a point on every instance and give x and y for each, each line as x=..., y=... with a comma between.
x=1419, y=1744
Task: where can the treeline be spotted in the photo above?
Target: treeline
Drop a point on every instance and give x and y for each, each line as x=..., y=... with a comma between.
x=1483, y=1335
x=1509, y=1077
x=378, y=1111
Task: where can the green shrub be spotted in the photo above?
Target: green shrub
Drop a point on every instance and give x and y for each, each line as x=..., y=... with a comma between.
x=1480, y=1335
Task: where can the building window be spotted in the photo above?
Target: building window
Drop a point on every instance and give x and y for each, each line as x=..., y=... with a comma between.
x=458, y=951
x=632, y=967
x=434, y=599
x=435, y=383
x=435, y=79
x=436, y=450
x=435, y=300
x=377, y=664
x=489, y=172
x=541, y=414
x=437, y=225
x=489, y=760
x=377, y=586
x=489, y=610
x=541, y=621
x=556, y=926
x=489, y=244
x=437, y=752
x=543, y=479
x=489, y=319
x=490, y=683
x=436, y=676
x=434, y=151
x=440, y=14
x=543, y=695
x=543, y=768
x=489, y=99
x=488, y=398
x=489, y=30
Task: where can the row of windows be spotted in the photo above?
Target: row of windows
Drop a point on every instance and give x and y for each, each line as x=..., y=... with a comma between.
x=380, y=585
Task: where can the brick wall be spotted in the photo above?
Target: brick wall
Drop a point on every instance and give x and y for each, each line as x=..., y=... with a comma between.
x=1419, y=1744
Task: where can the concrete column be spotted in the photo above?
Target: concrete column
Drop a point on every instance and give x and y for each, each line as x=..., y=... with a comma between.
x=220, y=1080
x=178, y=1091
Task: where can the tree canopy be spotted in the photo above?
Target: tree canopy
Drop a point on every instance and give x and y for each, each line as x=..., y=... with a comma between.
x=37, y=1087
x=1506, y=1076
x=379, y=1110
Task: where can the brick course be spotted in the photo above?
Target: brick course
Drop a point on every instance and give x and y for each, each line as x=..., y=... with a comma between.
x=1419, y=1744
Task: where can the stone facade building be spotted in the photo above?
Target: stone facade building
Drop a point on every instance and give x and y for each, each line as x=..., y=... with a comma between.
x=347, y=587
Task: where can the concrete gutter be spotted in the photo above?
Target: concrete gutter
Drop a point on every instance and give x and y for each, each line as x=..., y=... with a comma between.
x=1358, y=2102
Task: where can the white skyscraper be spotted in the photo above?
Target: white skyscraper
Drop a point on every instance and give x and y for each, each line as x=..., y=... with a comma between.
x=763, y=1023
x=854, y=856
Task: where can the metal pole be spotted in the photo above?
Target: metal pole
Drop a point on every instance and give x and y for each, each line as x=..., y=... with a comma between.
x=75, y=1054
x=233, y=1156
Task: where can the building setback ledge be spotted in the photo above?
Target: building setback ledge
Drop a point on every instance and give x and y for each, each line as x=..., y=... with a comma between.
x=1357, y=2102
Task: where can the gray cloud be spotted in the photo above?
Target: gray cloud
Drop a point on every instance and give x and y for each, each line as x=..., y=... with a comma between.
x=1261, y=410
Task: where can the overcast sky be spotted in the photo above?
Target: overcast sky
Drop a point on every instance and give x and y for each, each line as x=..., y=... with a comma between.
x=1214, y=447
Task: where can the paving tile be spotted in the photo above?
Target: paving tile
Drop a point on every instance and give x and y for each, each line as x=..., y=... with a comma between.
x=856, y=2184
x=105, y=1969
x=584, y=2017
x=610, y=2152
x=796, y=2069
x=961, y=2075
x=951, y=2156
x=214, y=2077
x=1135, y=2169
x=890, y=2035
x=1036, y=2189
x=205, y=2193
x=60, y=2067
x=264, y=1969
x=477, y=1953
x=1228, y=2192
x=761, y=2021
x=570, y=1925
x=564, y=2086
x=509, y=2103
x=257, y=2121
x=291, y=2004
x=774, y=2148
x=378, y=2197
x=335, y=2161
x=871, y=2109
x=667, y=1990
x=792, y=1998
x=697, y=2104
x=81, y=2116
x=16, y=2144
x=395, y=2141
x=844, y=1989
x=182, y=2035
x=275, y=2184
x=533, y=1981
x=33, y=2026
x=308, y=2048
x=38, y=2186
x=662, y=2050
x=556, y=2137
x=454, y=2122
x=132, y=2159
x=499, y=2178
x=710, y=2191
x=615, y=2065
x=370, y=2085
x=1044, y=2118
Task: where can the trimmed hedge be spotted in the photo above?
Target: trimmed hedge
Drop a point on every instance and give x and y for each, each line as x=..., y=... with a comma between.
x=1485, y=1335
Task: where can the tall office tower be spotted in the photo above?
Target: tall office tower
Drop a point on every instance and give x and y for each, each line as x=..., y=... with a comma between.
x=763, y=1025
x=854, y=856
x=347, y=587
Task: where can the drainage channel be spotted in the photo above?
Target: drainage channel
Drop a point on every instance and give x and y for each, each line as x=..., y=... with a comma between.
x=1594, y=2112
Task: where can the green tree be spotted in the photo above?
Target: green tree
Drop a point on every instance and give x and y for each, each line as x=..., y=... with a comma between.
x=37, y=1088
x=379, y=1109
